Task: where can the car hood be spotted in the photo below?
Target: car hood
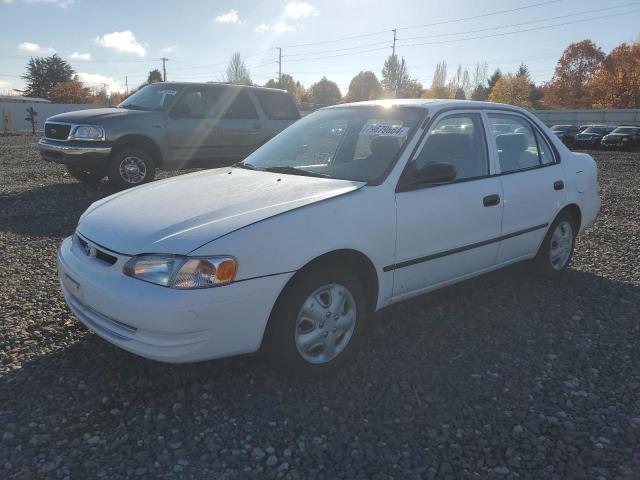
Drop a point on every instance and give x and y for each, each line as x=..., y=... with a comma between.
x=180, y=214
x=95, y=115
x=616, y=136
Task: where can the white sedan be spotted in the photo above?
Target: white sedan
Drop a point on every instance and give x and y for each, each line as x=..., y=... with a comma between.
x=351, y=209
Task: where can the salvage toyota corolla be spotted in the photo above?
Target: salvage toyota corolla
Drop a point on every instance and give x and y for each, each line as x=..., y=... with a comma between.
x=348, y=210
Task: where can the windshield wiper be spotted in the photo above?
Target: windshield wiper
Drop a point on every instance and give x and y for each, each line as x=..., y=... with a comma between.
x=245, y=165
x=295, y=171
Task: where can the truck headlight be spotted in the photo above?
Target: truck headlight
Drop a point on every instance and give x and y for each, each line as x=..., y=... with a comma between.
x=87, y=132
x=183, y=272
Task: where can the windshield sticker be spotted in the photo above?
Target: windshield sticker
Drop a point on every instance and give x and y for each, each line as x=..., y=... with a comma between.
x=384, y=130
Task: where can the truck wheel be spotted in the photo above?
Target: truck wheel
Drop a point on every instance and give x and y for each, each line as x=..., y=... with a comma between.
x=131, y=166
x=85, y=176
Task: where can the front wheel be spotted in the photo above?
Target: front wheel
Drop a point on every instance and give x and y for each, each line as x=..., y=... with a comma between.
x=317, y=324
x=85, y=176
x=556, y=250
x=130, y=167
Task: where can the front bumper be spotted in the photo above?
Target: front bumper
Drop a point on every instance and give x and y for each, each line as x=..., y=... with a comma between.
x=587, y=143
x=74, y=153
x=614, y=146
x=160, y=323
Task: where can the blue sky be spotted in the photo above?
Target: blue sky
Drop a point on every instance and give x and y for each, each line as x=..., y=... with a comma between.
x=108, y=40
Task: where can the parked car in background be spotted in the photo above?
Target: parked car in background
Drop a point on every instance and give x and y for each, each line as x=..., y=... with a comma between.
x=566, y=133
x=294, y=247
x=166, y=125
x=590, y=137
x=622, y=138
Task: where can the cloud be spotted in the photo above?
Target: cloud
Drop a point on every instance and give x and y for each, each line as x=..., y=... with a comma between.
x=281, y=28
x=35, y=48
x=262, y=28
x=230, y=17
x=80, y=56
x=122, y=42
x=96, y=81
x=297, y=10
x=169, y=49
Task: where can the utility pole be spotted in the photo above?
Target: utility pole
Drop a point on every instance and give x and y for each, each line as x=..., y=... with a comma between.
x=164, y=69
x=279, y=64
x=393, y=52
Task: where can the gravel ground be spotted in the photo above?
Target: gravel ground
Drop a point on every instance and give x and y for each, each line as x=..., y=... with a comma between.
x=504, y=376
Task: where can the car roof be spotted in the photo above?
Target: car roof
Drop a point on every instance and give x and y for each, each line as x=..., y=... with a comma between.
x=429, y=103
x=229, y=85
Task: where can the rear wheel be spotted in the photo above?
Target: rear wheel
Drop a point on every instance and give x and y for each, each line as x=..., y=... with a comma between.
x=86, y=176
x=130, y=167
x=556, y=250
x=317, y=324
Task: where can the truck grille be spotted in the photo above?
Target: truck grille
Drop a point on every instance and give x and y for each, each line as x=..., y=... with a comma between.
x=56, y=131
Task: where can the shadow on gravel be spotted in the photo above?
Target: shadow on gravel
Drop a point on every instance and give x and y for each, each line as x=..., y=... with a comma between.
x=485, y=352
x=50, y=210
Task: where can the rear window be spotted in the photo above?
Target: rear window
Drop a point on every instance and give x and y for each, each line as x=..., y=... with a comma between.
x=277, y=105
x=627, y=130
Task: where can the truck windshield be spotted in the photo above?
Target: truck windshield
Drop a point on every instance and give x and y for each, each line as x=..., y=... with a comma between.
x=152, y=97
x=350, y=143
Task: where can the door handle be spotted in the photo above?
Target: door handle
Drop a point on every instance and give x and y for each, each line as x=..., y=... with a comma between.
x=491, y=200
x=559, y=185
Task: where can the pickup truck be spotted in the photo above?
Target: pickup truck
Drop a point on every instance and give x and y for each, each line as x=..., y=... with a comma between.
x=166, y=125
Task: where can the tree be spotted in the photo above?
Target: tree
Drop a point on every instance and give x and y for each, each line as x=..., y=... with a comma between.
x=536, y=92
x=478, y=80
x=364, y=86
x=438, y=87
x=237, y=72
x=323, y=93
x=411, y=89
x=576, y=67
x=286, y=82
x=154, y=76
x=617, y=83
x=395, y=76
x=481, y=91
x=44, y=73
x=71, y=92
x=512, y=89
x=460, y=81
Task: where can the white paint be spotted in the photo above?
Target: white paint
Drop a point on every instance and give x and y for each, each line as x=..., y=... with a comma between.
x=275, y=224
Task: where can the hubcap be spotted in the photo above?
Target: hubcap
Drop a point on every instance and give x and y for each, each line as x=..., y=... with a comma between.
x=325, y=323
x=133, y=170
x=561, y=244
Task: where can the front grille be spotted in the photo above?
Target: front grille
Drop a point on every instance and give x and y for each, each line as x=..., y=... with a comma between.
x=56, y=131
x=92, y=251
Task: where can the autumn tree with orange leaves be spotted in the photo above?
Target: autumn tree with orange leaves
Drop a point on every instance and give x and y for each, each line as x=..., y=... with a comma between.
x=576, y=68
x=72, y=91
x=617, y=83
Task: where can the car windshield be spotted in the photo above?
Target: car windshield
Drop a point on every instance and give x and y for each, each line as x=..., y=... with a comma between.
x=152, y=97
x=626, y=130
x=350, y=143
x=597, y=130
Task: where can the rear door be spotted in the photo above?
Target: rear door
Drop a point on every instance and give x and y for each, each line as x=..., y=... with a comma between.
x=532, y=185
x=242, y=129
x=278, y=108
x=193, y=125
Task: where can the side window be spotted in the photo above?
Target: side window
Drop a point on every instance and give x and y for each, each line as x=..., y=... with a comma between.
x=546, y=154
x=240, y=107
x=277, y=105
x=460, y=140
x=197, y=102
x=516, y=142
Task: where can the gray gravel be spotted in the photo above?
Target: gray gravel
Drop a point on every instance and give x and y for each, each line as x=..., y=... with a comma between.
x=504, y=376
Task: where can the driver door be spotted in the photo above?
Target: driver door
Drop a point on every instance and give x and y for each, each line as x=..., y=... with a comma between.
x=450, y=230
x=193, y=125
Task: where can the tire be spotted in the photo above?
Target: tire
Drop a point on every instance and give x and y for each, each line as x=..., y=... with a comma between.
x=130, y=167
x=556, y=251
x=85, y=176
x=300, y=343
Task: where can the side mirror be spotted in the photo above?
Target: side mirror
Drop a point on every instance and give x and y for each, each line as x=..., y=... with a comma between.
x=180, y=110
x=435, y=173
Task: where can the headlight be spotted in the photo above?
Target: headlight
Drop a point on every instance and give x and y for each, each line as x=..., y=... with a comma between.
x=182, y=272
x=625, y=139
x=87, y=132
